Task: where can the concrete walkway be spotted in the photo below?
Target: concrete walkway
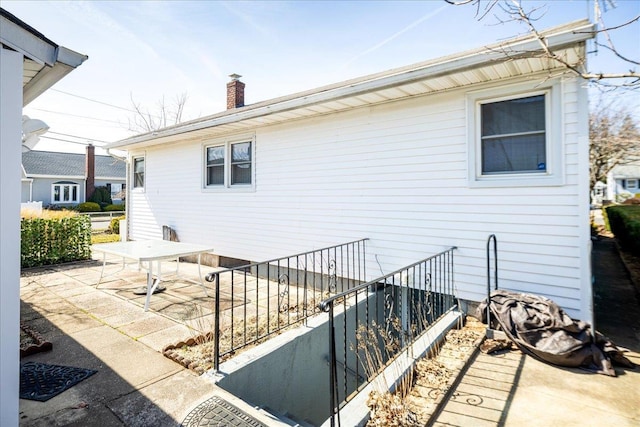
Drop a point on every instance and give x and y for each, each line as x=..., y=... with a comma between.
x=106, y=329
x=512, y=389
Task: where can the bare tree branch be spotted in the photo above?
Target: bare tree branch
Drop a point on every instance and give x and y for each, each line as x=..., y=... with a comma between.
x=163, y=116
x=614, y=140
x=512, y=11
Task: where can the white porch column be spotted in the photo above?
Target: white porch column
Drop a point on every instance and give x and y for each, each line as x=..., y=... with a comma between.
x=10, y=188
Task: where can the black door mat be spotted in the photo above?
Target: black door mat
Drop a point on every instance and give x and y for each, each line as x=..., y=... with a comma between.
x=218, y=412
x=41, y=382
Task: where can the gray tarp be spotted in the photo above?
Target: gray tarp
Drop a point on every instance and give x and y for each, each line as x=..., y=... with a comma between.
x=540, y=328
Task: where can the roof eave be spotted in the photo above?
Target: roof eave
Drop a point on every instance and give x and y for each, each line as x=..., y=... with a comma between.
x=58, y=61
x=566, y=35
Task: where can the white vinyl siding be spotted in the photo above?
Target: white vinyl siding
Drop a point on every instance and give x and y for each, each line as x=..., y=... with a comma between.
x=396, y=173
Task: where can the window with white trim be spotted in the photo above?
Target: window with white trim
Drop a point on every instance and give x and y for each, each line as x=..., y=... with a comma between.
x=515, y=137
x=65, y=192
x=229, y=164
x=137, y=173
x=631, y=184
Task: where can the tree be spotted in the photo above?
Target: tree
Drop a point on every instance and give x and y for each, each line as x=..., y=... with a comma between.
x=614, y=140
x=165, y=114
x=512, y=10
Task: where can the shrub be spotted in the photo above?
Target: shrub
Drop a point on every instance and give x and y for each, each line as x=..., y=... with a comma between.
x=89, y=207
x=624, y=221
x=114, y=225
x=101, y=196
x=52, y=240
x=114, y=208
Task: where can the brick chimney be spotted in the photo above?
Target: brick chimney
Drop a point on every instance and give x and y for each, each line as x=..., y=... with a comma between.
x=235, y=92
x=90, y=171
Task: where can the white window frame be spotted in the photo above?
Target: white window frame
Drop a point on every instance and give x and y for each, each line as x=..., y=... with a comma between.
x=133, y=173
x=63, y=184
x=554, y=148
x=629, y=186
x=227, y=143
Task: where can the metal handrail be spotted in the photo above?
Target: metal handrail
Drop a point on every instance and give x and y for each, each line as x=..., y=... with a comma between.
x=325, y=303
x=492, y=239
x=315, y=272
x=418, y=305
x=209, y=277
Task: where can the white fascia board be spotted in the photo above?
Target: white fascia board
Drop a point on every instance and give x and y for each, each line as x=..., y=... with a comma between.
x=62, y=177
x=70, y=57
x=559, y=37
x=27, y=43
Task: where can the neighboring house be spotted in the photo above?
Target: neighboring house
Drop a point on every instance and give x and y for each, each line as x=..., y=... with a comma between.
x=29, y=65
x=623, y=180
x=61, y=178
x=417, y=159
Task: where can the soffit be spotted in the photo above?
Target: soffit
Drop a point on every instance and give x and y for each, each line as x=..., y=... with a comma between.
x=517, y=59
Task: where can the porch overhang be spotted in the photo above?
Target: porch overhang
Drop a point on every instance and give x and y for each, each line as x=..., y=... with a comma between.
x=513, y=58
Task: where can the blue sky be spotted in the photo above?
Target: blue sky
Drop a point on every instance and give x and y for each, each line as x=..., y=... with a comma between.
x=151, y=49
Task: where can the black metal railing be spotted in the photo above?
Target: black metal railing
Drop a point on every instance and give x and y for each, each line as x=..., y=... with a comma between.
x=372, y=323
x=255, y=301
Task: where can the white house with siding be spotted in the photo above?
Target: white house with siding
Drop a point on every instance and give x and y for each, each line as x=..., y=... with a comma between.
x=624, y=180
x=417, y=159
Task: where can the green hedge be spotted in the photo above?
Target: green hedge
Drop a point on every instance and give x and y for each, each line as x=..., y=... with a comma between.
x=114, y=208
x=89, y=207
x=624, y=221
x=114, y=225
x=53, y=241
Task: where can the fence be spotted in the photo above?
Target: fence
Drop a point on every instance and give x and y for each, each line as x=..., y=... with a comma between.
x=370, y=324
x=269, y=296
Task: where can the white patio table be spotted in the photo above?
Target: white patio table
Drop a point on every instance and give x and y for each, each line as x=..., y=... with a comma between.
x=152, y=252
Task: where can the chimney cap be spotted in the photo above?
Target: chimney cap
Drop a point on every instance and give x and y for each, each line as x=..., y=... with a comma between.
x=234, y=77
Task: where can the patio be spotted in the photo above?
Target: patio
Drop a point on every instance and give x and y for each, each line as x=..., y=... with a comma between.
x=135, y=385
x=107, y=329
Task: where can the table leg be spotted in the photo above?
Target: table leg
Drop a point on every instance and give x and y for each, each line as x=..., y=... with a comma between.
x=149, y=285
x=200, y=276
x=104, y=263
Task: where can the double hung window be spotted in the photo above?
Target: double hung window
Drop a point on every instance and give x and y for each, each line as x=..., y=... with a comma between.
x=515, y=136
x=229, y=164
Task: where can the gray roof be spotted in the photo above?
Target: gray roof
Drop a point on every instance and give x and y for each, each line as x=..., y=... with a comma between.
x=631, y=170
x=70, y=164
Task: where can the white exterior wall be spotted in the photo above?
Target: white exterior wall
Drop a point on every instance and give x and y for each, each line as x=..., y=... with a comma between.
x=10, y=152
x=397, y=174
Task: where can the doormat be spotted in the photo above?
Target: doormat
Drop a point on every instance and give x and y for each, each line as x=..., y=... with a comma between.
x=41, y=382
x=218, y=412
